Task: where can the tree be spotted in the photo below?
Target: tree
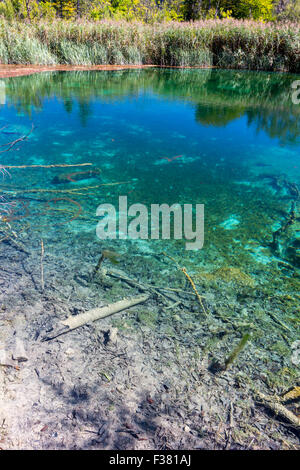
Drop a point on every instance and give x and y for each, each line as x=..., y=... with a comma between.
x=256, y=9
x=280, y=6
x=261, y=10
x=66, y=9
x=192, y=9
x=27, y=3
x=288, y=10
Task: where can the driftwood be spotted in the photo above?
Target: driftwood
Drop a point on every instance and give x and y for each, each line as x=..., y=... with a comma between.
x=95, y=314
x=273, y=403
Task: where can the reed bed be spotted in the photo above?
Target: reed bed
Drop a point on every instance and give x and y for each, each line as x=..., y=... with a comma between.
x=222, y=43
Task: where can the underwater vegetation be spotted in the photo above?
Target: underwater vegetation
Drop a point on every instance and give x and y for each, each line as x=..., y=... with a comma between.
x=228, y=274
x=217, y=367
x=236, y=351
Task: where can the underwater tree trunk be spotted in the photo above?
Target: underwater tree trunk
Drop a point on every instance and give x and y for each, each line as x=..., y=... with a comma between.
x=27, y=2
x=95, y=314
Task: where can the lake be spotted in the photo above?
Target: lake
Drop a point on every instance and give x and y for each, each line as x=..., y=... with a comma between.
x=228, y=140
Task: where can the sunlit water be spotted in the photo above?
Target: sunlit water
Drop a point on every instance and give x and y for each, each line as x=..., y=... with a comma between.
x=229, y=140
x=226, y=139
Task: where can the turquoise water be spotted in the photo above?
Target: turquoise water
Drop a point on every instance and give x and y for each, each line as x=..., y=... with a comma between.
x=229, y=140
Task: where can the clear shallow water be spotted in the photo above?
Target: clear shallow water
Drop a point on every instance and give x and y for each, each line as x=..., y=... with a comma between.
x=226, y=139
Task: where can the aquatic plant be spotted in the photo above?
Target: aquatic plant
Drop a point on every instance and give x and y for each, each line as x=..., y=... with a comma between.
x=228, y=44
x=236, y=351
x=217, y=366
x=110, y=255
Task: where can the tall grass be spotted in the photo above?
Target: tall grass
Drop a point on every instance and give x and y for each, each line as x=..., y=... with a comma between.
x=226, y=43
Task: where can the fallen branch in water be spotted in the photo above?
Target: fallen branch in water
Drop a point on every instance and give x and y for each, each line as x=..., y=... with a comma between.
x=273, y=403
x=169, y=294
x=95, y=314
x=59, y=165
x=73, y=190
x=12, y=144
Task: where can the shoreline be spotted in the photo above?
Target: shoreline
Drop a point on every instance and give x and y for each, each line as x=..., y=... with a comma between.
x=12, y=70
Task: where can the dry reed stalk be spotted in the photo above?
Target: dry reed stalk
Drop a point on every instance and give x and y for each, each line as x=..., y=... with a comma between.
x=195, y=290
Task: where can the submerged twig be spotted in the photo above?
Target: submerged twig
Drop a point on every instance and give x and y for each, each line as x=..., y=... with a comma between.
x=194, y=289
x=73, y=190
x=149, y=288
x=12, y=144
x=190, y=281
x=277, y=320
x=58, y=165
x=42, y=266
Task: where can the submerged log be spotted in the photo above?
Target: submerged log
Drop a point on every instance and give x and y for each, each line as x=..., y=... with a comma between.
x=273, y=403
x=92, y=315
x=76, y=176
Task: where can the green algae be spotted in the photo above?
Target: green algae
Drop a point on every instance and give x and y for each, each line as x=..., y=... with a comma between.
x=147, y=318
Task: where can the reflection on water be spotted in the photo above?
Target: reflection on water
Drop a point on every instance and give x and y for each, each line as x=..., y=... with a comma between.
x=219, y=97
